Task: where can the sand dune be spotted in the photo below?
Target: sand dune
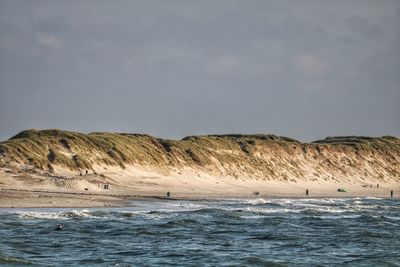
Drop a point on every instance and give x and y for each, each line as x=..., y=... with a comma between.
x=39, y=163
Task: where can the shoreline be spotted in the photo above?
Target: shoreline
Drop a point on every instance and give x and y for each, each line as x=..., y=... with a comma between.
x=22, y=198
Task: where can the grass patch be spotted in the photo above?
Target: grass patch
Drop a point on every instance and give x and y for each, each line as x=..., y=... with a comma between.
x=41, y=148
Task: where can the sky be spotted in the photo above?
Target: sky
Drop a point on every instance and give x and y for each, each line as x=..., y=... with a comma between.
x=304, y=69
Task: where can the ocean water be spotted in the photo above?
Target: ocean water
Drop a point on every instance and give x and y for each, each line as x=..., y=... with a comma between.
x=230, y=232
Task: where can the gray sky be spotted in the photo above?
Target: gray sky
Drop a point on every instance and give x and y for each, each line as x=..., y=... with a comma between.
x=304, y=69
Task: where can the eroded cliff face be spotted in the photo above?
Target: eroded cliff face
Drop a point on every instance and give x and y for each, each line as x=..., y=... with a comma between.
x=265, y=157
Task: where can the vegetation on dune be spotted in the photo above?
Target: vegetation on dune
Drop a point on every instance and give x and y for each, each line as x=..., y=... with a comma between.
x=262, y=154
x=375, y=142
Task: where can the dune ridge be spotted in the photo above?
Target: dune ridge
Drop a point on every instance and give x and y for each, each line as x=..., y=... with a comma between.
x=142, y=164
x=266, y=157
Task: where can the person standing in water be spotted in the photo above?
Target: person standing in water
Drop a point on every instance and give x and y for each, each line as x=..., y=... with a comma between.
x=307, y=192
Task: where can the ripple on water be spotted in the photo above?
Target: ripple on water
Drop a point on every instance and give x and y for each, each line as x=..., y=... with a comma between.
x=295, y=232
x=7, y=260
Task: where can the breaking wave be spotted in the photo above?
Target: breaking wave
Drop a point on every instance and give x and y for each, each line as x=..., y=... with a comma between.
x=197, y=233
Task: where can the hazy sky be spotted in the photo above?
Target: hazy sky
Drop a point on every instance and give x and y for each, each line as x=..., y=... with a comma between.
x=304, y=69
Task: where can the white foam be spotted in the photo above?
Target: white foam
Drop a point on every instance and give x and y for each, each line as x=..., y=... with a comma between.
x=56, y=215
x=257, y=201
x=339, y=216
x=162, y=209
x=39, y=215
x=270, y=210
x=377, y=198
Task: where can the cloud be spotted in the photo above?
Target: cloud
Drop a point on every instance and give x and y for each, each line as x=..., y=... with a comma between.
x=49, y=40
x=310, y=64
x=8, y=42
x=361, y=25
x=170, y=68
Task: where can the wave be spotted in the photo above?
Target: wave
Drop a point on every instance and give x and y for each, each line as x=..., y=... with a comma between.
x=55, y=215
x=258, y=206
x=234, y=232
x=373, y=198
x=7, y=260
x=257, y=201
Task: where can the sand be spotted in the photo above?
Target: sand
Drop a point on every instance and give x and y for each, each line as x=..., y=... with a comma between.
x=23, y=189
x=41, y=199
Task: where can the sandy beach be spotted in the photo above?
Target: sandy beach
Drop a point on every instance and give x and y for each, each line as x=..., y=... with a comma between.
x=55, y=168
x=26, y=190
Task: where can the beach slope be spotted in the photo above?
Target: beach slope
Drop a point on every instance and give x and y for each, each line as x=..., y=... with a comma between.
x=102, y=168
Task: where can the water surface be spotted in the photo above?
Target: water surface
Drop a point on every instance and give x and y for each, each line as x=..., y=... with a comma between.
x=236, y=232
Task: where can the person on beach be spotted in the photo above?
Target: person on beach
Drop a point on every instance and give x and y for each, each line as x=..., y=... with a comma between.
x=391, y=193
x=307, y=192
x=168, y=194
x=377, y=185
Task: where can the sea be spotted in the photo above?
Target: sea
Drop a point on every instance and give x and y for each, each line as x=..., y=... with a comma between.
x=224, y=232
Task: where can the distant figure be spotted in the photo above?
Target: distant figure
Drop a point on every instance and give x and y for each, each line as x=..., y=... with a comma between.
x=168, y=194
x=391, y=193
x=87, y=172
x=377, y=185
x=307, y=192
x=58, y=228
x=80, y=174
x=256, y=193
